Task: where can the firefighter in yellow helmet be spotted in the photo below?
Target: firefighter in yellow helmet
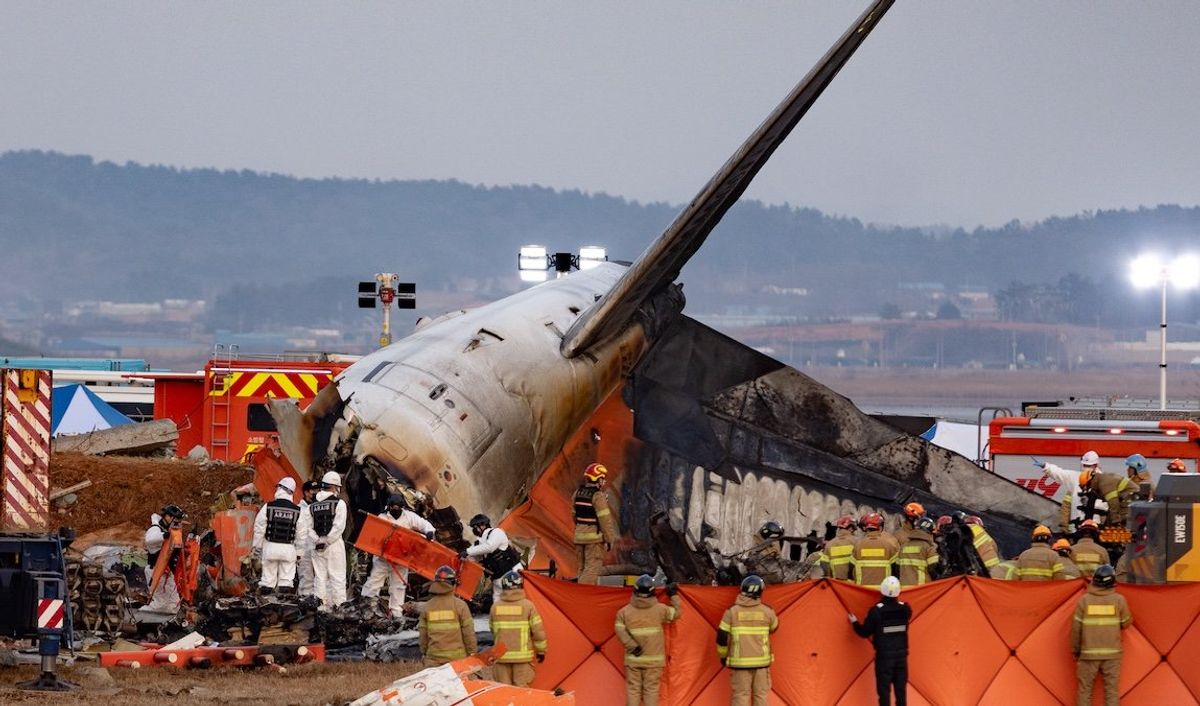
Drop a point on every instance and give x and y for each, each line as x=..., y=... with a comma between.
x=838, y=554
x=744, y=644
x=446, y=630
x=516, y=623
x=640, y=628
x=912, y=512
x=918, y=560
x=1117, y=491
x=1087, y=554
x=595, y=526
x=1039, y=562
x=1063, y=548
x=1100, y=616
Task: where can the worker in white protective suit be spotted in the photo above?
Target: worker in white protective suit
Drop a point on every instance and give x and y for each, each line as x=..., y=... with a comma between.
x=1071, y=514
x=381, y=569
x=304, y=548
x=277, y=529
x=493, y=551
x=166, y=598
x=327, y=521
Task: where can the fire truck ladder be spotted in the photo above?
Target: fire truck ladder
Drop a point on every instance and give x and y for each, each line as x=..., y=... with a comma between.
x=221, y=414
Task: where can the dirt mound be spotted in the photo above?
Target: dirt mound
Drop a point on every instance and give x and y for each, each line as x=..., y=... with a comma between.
x=126, y=489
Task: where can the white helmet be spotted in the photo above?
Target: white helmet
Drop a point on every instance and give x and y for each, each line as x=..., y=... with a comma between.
x=332, y=478
x=1091, y=458
x=288, y=484
x=890, y=587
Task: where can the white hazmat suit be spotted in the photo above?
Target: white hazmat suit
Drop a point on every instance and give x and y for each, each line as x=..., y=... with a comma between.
x=304, y=552
x=329, y=551
x=396, y=576
x=277, y=531
x=166, y=598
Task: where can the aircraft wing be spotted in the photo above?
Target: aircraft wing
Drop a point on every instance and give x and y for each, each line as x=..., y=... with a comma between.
x=660, y=264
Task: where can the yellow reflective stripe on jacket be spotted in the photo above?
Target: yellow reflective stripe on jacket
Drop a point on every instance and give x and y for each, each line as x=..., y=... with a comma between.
x=736, y=659
x=653, y=630
x=603, y=513
x=1100, y=652
x=1046, y=573
x=645, y=660
x=841, y=550
x=588, y=534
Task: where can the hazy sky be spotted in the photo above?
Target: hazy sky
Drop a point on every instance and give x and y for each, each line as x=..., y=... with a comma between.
x=952, y=112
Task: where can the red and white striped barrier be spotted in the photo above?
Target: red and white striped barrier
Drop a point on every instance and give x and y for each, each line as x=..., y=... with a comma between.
x=50, y=613
x=26, y=448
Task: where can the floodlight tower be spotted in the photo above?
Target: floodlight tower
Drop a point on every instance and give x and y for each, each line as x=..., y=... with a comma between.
x=387, y=289
x=534, y=262
x=1148, y=271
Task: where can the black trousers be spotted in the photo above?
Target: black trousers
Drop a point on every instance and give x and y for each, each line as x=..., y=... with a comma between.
x=891, y=670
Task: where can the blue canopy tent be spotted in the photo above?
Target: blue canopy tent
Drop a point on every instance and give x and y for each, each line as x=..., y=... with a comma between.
x=77, y=410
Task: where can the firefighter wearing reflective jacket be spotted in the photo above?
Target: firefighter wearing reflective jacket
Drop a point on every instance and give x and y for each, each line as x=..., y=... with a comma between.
x=887, y=626
x=839, y=551
x=595, y=526
x=446, y=630
x=640, y=628
x=382, y=570
x=765, y=558
x=1117, y=491
x=1063, y=548
x=985, y=546
x=516, y=623
x=1039, y=562
x=277, y=528
x=328, y=521
x=874, y=553
x=1100, y=616
x=918, y=560
x=744, y=644
x=1086, y=553
x=912, y=512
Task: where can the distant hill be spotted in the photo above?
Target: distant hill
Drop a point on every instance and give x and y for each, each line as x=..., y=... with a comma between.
x=72, y=227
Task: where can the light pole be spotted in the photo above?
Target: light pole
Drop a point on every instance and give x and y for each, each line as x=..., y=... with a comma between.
x=1148, y=271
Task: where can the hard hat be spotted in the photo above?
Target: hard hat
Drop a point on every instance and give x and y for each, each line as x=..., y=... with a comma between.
x=925, y=524
x=770, y=530
x=1089, y=527
x=480, y=519
x=1177, y=466
x=1060, y=544
x=914, y=510
x=1137, y=462
x=944, y=521
x=752, y=586
x=1091, y=458
x=872, y=520
x=511, y=580
x=890, y=588
x=845, y=522
x=446, y=575
x=173, y=511
x=644, y=586
x=1085, y=477
x=595, y=472
x=973, y=520
x=331, y=478
x=1041, y=533
x=311, y=485
x=397, y=499
x=287, y=483
x=1105, y=576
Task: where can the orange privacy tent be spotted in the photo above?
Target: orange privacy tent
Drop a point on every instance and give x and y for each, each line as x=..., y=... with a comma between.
x=972, y=641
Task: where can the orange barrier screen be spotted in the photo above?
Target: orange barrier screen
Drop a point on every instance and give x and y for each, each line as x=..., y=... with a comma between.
x=972, y=641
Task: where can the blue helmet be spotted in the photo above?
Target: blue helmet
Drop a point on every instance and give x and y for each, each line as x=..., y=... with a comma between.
x=1137, y=462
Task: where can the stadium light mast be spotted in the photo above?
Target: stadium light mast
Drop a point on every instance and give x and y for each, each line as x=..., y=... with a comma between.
x=1150, y=270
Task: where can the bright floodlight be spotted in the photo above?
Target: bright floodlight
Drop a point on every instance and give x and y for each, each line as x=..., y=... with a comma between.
x=532, y=258
x=534, y=275
x=591, y=256
x=1184, y=272
x=1146, y=271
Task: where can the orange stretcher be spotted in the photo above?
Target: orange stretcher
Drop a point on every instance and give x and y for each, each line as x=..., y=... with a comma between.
x=403, y=547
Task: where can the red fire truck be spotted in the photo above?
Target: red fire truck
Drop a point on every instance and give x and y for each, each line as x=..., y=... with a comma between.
x=224, y=408
x=1062, y=434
